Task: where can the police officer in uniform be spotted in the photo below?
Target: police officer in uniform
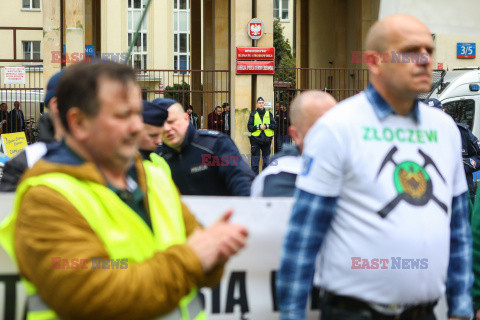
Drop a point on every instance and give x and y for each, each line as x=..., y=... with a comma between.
x=202, y=162
x=470, y=150
x=262, y=125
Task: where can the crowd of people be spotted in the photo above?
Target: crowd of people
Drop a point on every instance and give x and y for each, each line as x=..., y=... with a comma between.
x=107, y=185
x=13, y=120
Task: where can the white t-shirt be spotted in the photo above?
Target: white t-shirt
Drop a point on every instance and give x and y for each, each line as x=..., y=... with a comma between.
x=394, y=179
x=288, y=164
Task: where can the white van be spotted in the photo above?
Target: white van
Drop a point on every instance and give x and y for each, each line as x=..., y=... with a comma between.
x=459, y=92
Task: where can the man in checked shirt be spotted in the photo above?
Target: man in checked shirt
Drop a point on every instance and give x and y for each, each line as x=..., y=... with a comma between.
x=382, y=197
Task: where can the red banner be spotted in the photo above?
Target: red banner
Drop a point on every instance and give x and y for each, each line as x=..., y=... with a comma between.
x=255, y=67
x=255, y=53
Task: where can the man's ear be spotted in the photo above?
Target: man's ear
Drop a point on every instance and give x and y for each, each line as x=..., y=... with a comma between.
x=79, y=124
x=373, y=61
x=293, y=132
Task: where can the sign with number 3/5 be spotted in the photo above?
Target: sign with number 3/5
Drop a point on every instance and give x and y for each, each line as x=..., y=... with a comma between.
x=466, y=50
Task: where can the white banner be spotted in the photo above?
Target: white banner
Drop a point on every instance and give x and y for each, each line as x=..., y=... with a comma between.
x=246, y=289
x=14, y=75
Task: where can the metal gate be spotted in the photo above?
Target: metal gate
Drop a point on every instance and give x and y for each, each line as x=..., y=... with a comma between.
x=202, y=89
x=340, y=83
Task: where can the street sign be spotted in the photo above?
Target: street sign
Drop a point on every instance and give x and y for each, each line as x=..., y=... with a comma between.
x=255, y=67
x=466, y=50
x=255, y=53
x=255, y=29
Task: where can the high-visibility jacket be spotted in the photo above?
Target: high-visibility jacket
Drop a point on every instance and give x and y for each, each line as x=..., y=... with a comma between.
x=266, y=120
x=161, y=163
x=122, y=230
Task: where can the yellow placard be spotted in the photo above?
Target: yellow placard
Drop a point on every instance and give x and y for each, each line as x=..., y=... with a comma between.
x=13, y=143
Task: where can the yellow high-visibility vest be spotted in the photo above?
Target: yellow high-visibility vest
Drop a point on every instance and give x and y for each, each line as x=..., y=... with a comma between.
x=121, y=229
x=266, y=120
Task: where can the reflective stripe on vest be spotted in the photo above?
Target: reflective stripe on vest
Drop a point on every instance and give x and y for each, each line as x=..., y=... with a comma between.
x=266, y=120
x=123, y=232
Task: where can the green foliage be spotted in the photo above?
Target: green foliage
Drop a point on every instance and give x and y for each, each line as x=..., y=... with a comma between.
x=179, y=96
x=285, y=79
x=283, y=50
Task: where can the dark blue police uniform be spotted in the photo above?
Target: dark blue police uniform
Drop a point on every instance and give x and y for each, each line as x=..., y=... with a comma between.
x=471, y=156
x=209, y=163
x=262, y=142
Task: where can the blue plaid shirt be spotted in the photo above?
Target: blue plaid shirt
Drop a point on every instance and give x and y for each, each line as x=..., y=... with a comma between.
x=311, y=219
x=309, y=223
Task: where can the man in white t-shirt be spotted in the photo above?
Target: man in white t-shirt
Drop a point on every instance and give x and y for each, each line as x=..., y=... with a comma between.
x=381, y=197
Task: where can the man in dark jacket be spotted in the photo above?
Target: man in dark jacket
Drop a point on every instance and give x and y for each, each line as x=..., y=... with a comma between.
x=471, y=156
x=215, y=120
x=262, y=125
x=202, y=162
x=3, y=117
x=470, y=150
x=193, y=117
x=226, y=118
x=154, y=116
x=17, y=119
x=281, y=117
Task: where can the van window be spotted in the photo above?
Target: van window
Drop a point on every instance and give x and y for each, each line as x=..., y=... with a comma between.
x=462, y=111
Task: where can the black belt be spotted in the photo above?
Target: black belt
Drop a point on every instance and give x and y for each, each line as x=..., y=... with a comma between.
x=358, y=306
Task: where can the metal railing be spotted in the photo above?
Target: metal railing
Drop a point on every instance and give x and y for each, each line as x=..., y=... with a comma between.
x=203, y=89
x=340, y=83
x=29, y=95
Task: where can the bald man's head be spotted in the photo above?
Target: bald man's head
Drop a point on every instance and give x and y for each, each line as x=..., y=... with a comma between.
x=405, y=69
x=305, y=110
x=383, y=31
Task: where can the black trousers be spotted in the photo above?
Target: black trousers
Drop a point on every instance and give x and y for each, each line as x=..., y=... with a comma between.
x=256, y=147
x=340, y=308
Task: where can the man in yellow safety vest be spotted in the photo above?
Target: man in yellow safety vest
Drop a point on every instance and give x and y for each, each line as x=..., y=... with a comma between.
x=262, y=125
x=97, y=233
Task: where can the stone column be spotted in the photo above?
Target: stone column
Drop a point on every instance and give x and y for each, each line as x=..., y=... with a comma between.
x=74, y=28
x=208, y=57
x=241, y=85
x=51, y=50
x=196, y=53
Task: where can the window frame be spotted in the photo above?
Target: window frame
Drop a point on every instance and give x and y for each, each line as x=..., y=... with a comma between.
x=464, y=102
x=280, y=10
x=31, y=8
x=32, y=51
x=143, y=33
x=177, y=32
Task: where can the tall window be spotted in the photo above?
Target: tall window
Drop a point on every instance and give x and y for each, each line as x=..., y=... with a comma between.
x=181, y=34
x=280, y=9
x=31, y=50
x=140, y=49
x=31, y=4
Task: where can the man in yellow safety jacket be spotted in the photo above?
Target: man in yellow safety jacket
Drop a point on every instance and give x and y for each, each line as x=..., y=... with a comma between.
x=262, y=125
x=99, y=234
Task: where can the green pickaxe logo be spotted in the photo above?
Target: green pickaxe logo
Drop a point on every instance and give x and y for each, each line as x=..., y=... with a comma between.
x=412, y=182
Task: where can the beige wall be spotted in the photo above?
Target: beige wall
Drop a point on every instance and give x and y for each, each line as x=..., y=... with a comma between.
x=451, y=23
x=446, y=51
x=288, y=24
x=12, y=15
